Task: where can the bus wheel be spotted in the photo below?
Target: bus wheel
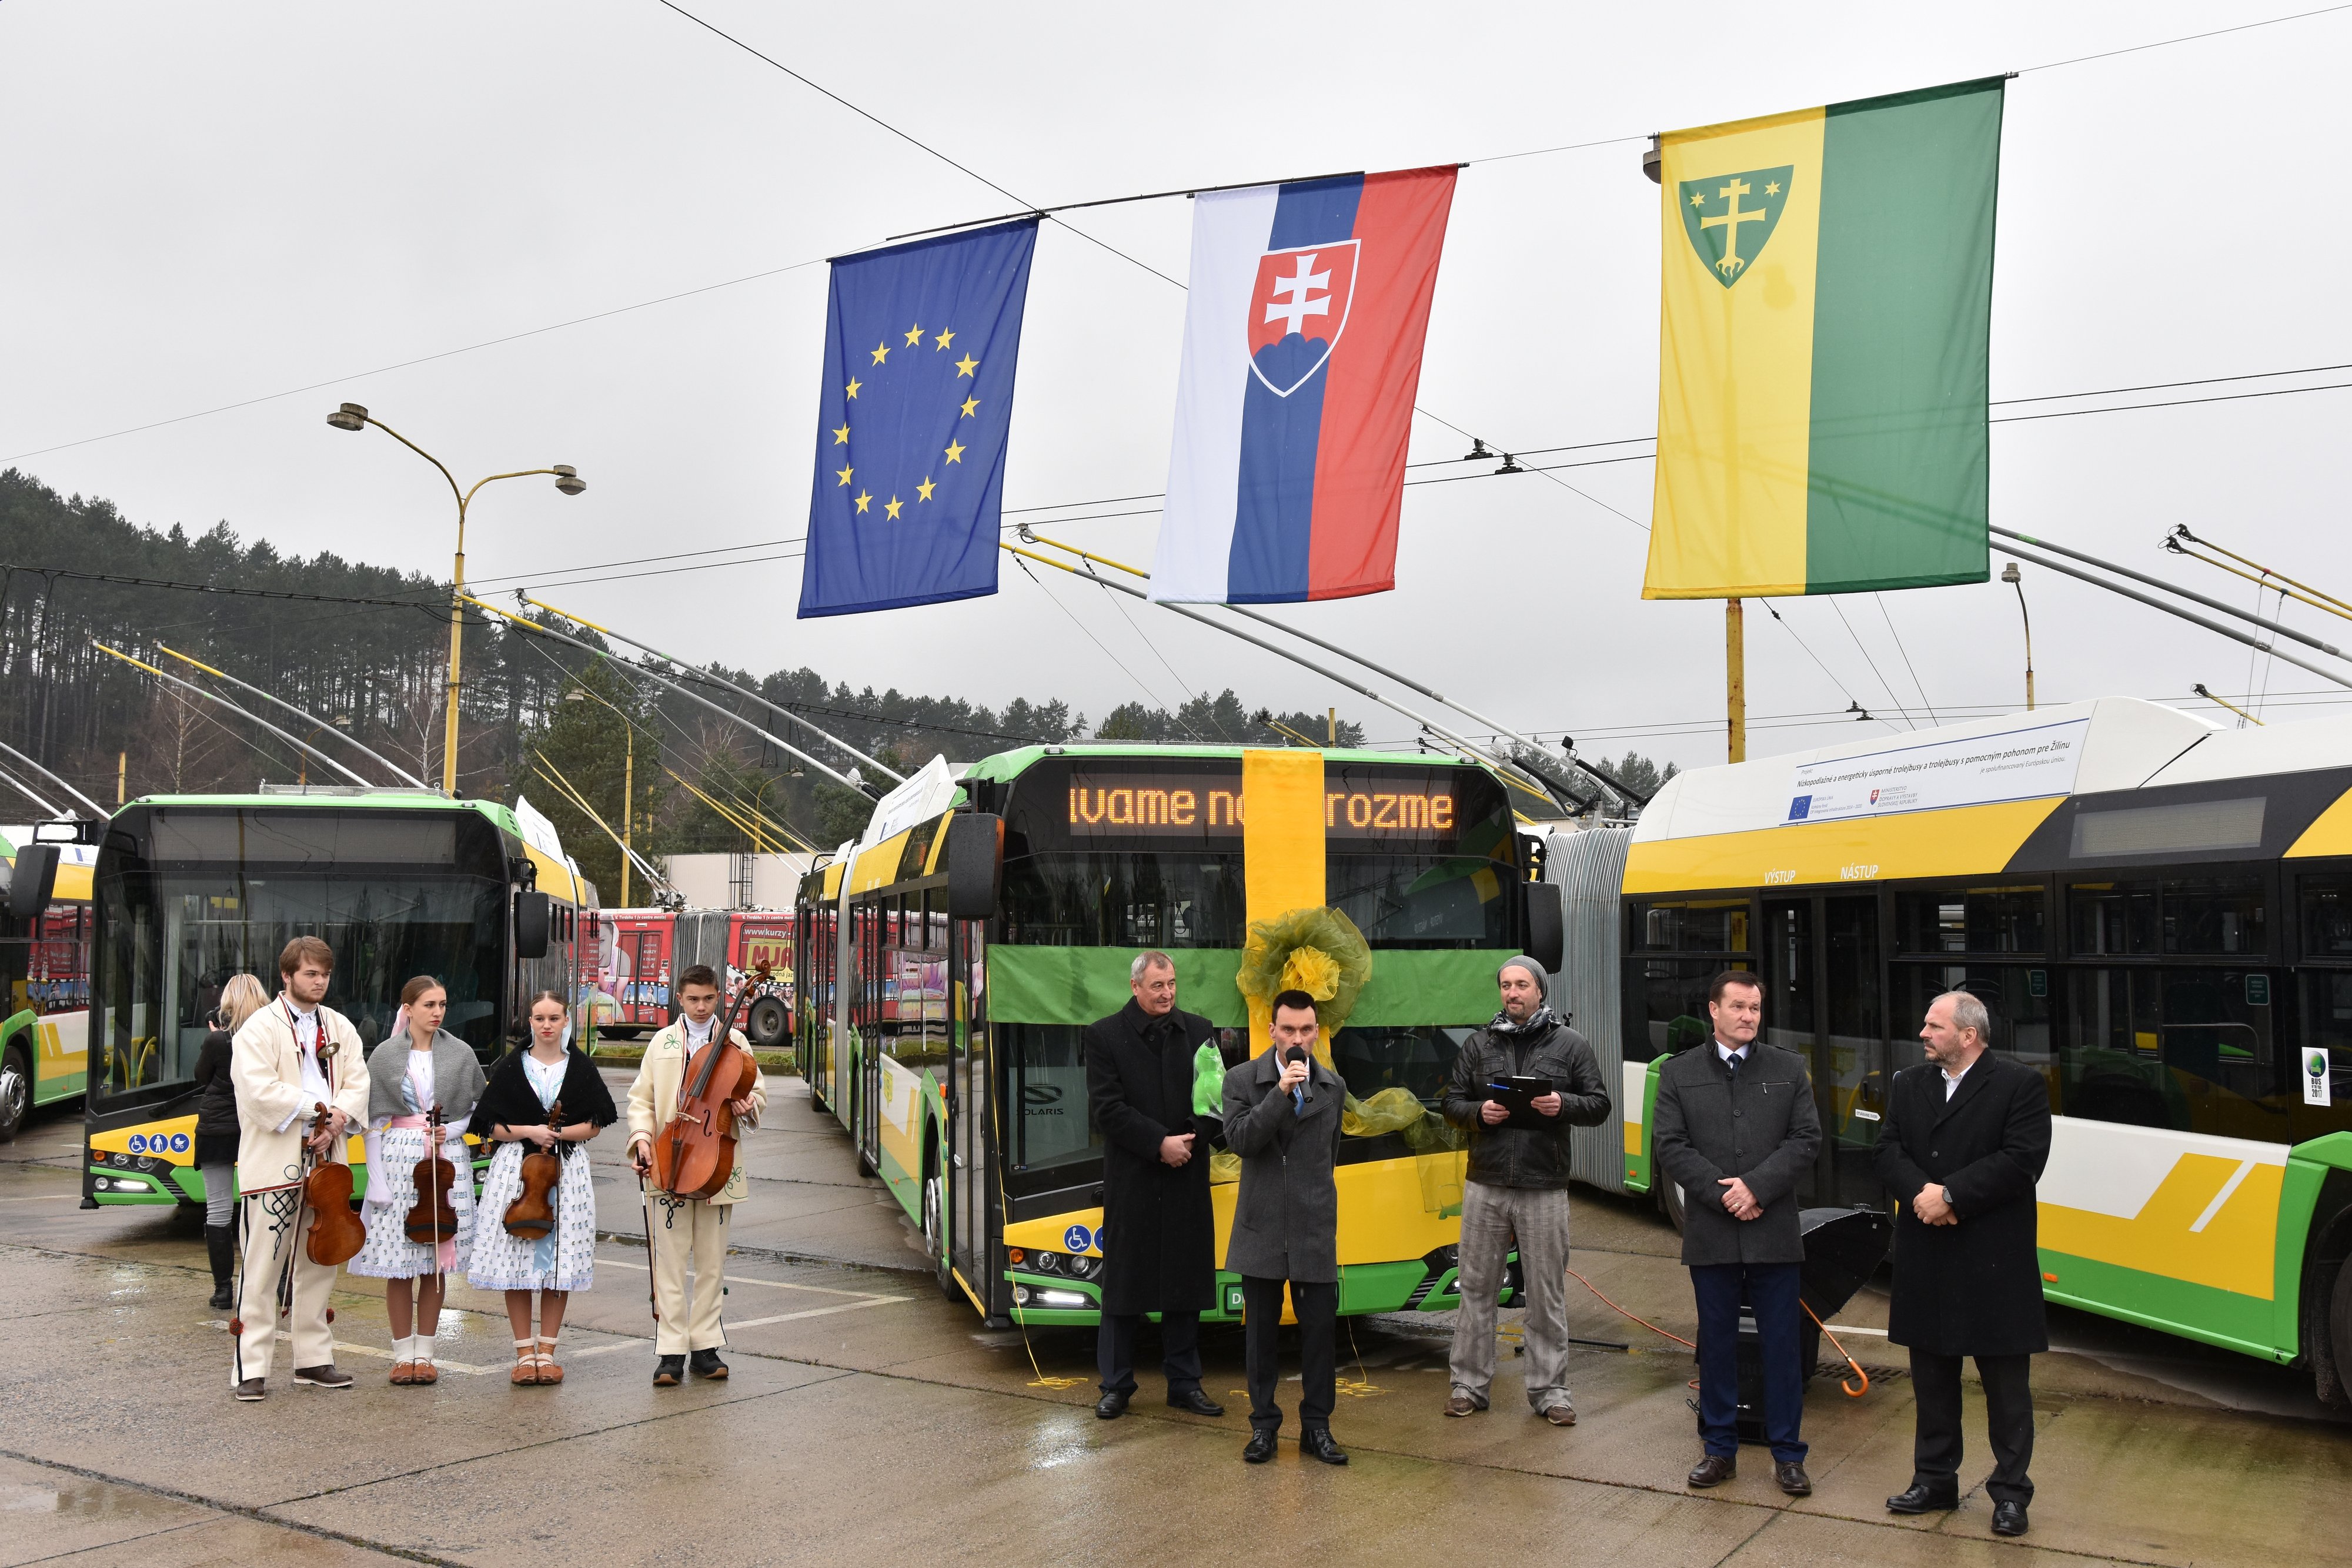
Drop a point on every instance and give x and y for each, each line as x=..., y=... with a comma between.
x=15, y=1090
x=934, y=1234
x=2339, y=1334
x=767, y=1022
x=1670, y=1202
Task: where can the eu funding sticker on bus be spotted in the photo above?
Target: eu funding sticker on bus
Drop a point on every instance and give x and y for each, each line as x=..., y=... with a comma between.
x=2022, y=763
x=920, y=343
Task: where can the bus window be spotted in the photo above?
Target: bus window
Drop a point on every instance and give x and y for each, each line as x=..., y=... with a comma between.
x=2216, y=914
x=1970, y=920
x=1417, y=1058
x=2017, y=997
x=2190, y=1049
x=2327, y=1025
x=2117, y=918
x=1049, y=1084
x=1669, y=1012
x=1692, y=926
x=1079, y=898
x=1405, y=901
x=2327, y=916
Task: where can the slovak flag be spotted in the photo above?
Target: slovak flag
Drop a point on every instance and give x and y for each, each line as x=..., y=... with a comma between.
x=1302, y=354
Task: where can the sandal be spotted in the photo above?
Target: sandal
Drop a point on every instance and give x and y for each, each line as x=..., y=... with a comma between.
x=548, y=1371
x=404, y=1371
x=427, y=1373
x=526, y=1366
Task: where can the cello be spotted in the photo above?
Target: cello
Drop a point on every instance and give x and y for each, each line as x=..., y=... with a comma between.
x=532, y=1215
x=433, y=1218
x=695, y=1153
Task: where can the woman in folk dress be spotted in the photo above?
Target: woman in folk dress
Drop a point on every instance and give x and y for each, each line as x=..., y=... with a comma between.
x=525, y=1087
x=419, y=1066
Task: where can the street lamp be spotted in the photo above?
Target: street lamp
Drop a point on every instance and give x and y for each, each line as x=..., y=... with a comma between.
x=628, y=776
x=2016, y=580
x=354, y=416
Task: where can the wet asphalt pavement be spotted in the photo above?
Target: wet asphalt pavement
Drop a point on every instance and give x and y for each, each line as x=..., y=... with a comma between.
x=869, y=1418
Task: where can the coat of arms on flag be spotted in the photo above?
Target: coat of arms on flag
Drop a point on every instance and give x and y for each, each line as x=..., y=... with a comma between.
x=1302, y=354
x=920, y=343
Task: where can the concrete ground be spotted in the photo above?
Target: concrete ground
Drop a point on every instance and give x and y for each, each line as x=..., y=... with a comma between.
x=868, y=1416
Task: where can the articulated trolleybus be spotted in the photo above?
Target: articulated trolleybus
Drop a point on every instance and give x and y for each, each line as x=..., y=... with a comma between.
x=954, y=955
x=2156, y=913
x=190, y=890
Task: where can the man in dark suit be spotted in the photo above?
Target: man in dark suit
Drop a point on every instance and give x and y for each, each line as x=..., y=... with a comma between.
x=1282, y=1117
x=1735, y=1125
x=1965, y=1140
x=1161, y=1255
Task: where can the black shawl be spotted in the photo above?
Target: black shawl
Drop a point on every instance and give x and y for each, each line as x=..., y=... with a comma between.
x=507, y=1098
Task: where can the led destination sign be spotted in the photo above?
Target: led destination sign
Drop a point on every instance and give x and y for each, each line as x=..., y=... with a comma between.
x=1189, y=805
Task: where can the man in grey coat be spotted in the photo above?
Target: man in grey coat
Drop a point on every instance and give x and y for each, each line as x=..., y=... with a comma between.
x=1282, y=1117
x=1514, y=1191
x=1735, y=1125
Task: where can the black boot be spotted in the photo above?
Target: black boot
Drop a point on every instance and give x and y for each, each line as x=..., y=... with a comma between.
x=220, y=1245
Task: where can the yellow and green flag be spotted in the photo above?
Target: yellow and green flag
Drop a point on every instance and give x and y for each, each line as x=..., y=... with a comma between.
x=1822, y=357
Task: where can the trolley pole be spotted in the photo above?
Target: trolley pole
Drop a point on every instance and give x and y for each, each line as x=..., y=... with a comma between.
x=1735, y=680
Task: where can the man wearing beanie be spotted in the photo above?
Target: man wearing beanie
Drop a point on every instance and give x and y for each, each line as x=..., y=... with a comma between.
x=1517, y=1187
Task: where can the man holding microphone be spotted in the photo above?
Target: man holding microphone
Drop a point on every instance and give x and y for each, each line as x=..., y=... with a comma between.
x=1282, y=1117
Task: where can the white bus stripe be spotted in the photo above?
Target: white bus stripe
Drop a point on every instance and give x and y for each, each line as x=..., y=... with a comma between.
x=2223, y=1197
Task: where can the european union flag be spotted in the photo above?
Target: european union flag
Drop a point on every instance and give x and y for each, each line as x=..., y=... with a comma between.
x=920, y=343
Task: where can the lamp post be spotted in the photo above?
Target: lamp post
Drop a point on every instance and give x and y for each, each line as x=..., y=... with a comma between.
x=352, y=417
x=628, y=777
x=2016, y=580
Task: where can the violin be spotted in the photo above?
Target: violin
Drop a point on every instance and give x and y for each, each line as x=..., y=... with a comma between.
x=336, y=1233
x=533, y=1216
x=695, y=1153
x=434, y=1218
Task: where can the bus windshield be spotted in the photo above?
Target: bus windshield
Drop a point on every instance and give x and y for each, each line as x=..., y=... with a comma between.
x=222, y=895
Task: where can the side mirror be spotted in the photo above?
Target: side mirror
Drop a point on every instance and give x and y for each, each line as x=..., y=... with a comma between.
x=36, y=878
x=532, y=918
x=1547, y=924
x=975, y=861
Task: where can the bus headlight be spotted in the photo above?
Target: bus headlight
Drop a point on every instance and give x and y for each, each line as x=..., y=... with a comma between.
x=1061, y=1299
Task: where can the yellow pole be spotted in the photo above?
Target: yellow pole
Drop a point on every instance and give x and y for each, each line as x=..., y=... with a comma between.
x=1734, y=680
x=457, y=647
x=629, y=793
x=121, y=776
x=1331, y=727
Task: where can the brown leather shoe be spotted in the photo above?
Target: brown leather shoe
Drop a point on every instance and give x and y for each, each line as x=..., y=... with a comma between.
x=1462, y=1405
x=427, y=1373
x=1715, y=1469
x=1789, y=1477
x=1561, y=1415
x=404, y=1372
x=251, y=1390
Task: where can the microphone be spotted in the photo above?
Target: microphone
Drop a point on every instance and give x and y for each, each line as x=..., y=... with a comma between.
x=1305, y=1090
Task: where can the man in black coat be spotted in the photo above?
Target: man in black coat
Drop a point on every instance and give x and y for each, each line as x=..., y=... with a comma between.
x=1735, y=1125
x=1161, y=1255
x=1965, y=1140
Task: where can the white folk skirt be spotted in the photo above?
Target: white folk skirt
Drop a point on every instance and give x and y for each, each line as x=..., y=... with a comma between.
x=389, y=1254
x=565, y=1260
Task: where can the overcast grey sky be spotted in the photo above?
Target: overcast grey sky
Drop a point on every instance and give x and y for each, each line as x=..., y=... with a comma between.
x=210, y=202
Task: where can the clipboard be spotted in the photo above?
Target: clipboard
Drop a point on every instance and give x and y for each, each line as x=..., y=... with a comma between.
x=1516, y=1095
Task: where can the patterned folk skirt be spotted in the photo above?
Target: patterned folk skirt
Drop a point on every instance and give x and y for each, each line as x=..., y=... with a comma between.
x=565, y=1260
x=389, y=1254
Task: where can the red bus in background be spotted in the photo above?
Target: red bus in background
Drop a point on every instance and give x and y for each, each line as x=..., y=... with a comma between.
x=639, y=951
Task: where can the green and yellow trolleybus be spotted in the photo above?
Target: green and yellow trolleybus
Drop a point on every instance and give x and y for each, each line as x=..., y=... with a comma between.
x=2157, y=913
x=954, y=955
x=45, y=919
x=190, y=890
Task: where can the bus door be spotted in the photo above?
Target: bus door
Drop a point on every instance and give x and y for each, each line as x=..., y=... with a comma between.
x=1821, y=963
x=966, y=1162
